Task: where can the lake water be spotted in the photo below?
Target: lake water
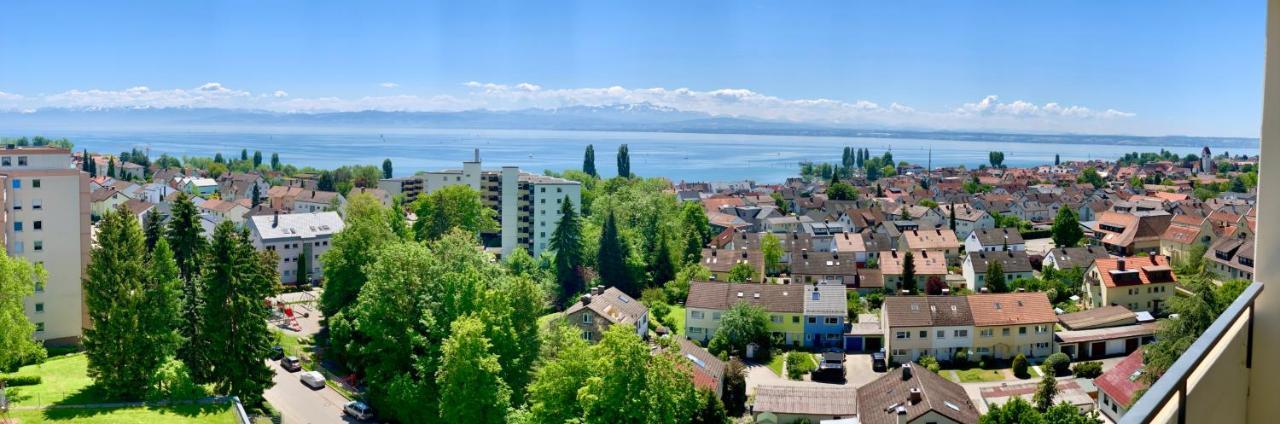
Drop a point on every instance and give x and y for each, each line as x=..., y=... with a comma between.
x=678, y=156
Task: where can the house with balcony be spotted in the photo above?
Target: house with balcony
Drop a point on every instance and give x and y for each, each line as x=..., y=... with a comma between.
x=1143, y=283
x=708, y=301
x=826, y=308
x=1013, y=264
x=1007, y=324
x=602, y=308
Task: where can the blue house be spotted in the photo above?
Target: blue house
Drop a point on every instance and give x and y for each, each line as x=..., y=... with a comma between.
x=825, y=312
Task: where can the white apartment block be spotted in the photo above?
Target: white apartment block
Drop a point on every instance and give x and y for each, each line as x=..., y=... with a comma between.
x=296, y=237
x=527, y=205
x=46, y=221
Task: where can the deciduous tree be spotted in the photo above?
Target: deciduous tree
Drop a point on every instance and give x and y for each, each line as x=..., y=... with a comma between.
x=1066, y=228
x=18, y=279
x=456, y=206
x=470, y=378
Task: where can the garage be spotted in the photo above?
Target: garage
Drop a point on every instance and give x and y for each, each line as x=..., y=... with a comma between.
x=853, y=343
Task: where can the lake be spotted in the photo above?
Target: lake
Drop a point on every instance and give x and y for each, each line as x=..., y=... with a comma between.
x=678, y=156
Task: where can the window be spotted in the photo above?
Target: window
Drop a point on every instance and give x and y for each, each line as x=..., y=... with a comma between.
x=903, y=335
x=924, y=334
x=35, y=183
x=986, y=333
x=6, y=161
x=1022, y=331
x=813, y=320
x=942, y=334
x=832, y=320
x=39, y=326
x=17, y=184
x=22, y=161
x=1004, y=332
x=17, y=226
x=696, y=314
x=39, y=307
x=962, y=333
x=983, y=350
x=586, y=318
x=899, y=352
x=695, y=330
x=795, y=320
x=715, y=316
x=775, y=319
x=17, y=205
x=586, y=335
x=38, y=225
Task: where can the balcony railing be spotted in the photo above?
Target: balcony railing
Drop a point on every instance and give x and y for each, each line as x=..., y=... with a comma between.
x=1209, y=382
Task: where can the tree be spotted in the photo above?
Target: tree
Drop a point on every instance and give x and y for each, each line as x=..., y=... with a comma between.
x=995, y=277
x=510, y=310
x=1066, y=413
x=710, y=410
x=566, y=242
x=386, y=168
x=244, y=154
x=367, y=229
x=1195, y=313
x=853, y=305
x=1057, y=160
x=735, y=387
x=553, y=395
x=742, y=273
x=1090, y=175
x=257, y=158
x=111, y=167
x=1066, y=228
x=624, y=161
x=934, y=285
x=664, y=262
x=132, y=307
x=18, y=345
x=1014, y=411
x=695, y=218
x=257, y=197
x=237, y=280
x=217, y=158
x=996, y=159
x=743, y=324
x=154, y=228
x=953, y=216
x=85, y=160
x=456, y=206
x=93, y=167
x=471, y=387
x=188, y=245
x=841, y=191
x=1020, y=366
x=1045, y=393
x=1057, y=364
x=589, y=161
x=611, y=261
x=1089, y=369
x=631, y=385
x=771, y=248
x=275, y=161
x=908, y=273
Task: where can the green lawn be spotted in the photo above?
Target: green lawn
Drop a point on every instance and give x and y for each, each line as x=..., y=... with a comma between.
x=775, y=364
x=182, y=414
x=62, y=378
x=545, y=320
x=978, y=375
x=676, y=318
x=291, y=343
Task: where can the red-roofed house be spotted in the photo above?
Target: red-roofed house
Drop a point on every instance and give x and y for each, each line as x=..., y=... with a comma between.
x=1117, y=386
x=1141, y=283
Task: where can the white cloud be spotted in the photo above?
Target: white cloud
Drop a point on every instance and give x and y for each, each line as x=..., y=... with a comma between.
x=388, y=85
x=987, y=113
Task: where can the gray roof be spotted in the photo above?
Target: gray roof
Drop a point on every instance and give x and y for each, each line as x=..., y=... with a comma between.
x=825, y=299
x=1010, y=261
x=295, y=225
x=612, y=304
x=998, y=236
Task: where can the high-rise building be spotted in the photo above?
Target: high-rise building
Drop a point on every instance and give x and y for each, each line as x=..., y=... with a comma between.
x=46, y=221
x=527, y=205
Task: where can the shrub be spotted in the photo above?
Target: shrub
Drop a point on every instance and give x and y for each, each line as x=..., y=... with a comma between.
x=930, y=363
x=1090, y=369
x=1058, y=363
x=173, y=382
x=960, y=360
x=874, y=300
x=798, y=365
x=1020, y=366
x=20, y=380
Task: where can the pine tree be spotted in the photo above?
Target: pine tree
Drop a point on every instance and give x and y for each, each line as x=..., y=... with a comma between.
x=244, y=154
x=257, y=197
x=111, y=167
x=908, y=273
x=589, y=161
x=611, y=259
x=275, y=161
x=566, y=242
x=154, y=228
x=995, y=277
x=237, y=279
x=188, y=244
x=386, y=168
x=692, y=246
x=217, y=158
x=1057, y=160
x=664, y=265
x=85, y=161
x=257, y=158
x=953, y=216
x=624, y=161
x=132, y=308
x=1044, y=395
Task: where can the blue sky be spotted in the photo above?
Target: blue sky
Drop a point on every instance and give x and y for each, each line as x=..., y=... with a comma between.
x=1081, y=66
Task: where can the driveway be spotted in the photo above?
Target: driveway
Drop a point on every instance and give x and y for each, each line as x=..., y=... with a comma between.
x=300, y=404
x=857, y=374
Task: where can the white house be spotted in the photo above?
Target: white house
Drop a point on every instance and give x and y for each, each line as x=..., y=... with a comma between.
x=299, y=240
x=1015, y=264
x=994, y=240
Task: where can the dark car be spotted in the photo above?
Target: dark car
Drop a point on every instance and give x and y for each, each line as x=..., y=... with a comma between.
x=832, y=366
x=277, y=353
x=878, y=363
x=291, y=363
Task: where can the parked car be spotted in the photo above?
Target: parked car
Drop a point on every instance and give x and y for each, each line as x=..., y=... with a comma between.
x=358, y=410
x=878, y=363
x=832, y=366
x=312, y=379
x=291, y=364
x=277, y=353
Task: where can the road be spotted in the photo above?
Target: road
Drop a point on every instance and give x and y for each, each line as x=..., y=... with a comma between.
x=300, y=404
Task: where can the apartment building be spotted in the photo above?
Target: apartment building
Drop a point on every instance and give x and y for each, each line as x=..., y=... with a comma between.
x=409, y=186
x=299, y=239
x=1142, y=283
x=708, y=301
x=527, y=205
x=46, y=221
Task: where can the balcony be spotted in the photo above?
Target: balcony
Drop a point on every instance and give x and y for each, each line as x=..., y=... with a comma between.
x=1210, y=381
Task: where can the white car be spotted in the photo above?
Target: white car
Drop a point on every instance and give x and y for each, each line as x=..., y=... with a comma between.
x=312, y=379
x=358, y=410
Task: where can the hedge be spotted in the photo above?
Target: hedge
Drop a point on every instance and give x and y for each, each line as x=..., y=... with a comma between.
x=20, y=380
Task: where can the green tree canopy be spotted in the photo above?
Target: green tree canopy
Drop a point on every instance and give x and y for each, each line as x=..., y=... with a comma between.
x=1066, y=228
x=471, y=386
x=455, y=206
x=236, y=281
x=741, y=325
x=18, y=279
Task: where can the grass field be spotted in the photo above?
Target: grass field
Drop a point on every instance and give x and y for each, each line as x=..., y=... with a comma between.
x=63, y=379
x=775, y=364
x=978, y=375
x=676, y=318
x=183, y=414
x=545, y=320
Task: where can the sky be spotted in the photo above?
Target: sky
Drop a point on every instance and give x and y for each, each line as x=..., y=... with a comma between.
x=1127, y=67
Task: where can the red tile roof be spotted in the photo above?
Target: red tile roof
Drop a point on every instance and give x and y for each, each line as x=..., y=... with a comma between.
x=1121, y=382
x=1146, y=270
x=1010, y=309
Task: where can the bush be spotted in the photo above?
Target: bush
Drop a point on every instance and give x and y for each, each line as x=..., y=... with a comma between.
x=798, y=365
x=19, y=380
x=1090, y=369
x=1020, y=366
x=930, y=363
x=874, y=300
x=960, y=360
x=173, y=382
x=1058, y=363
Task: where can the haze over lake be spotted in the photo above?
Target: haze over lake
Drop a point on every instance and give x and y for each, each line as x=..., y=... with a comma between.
x=678, y=156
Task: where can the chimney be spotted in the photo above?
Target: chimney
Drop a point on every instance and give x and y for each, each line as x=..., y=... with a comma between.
x=915, y=396
x=901, y=411
x=597, y=290
x=906, y=372
x=804, y=253
x=585, y=299
x=1120, y=264
x=939, y=230
x=275, y=219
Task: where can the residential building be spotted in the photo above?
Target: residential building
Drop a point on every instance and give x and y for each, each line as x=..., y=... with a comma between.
x=708, y=301
x=722, y=262
x=913, y=394
x=968, y=219
x=106, y=199
x=381, y=195
x=826, y=308
x=1014, y=265
x=1126, y=234
x=1231, y=258
x=824, y=267
x=940, y=239
x=298, y=239
x=240, y=185
x=46, y=221
x=1007, y=324
x=1142, y=283
x=790, y=403
x=1184, y=232
x=1118, y=386
x=198, y=186
x=595, y=312
x=408, y=186
x=915, y=326
x=1103, y=332
x=1074, y=257
x=225, y=209
x=708, y=370
x=926, y=263
x=994, y=240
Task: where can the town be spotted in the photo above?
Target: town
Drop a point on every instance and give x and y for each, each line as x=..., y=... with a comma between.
x=241, y=288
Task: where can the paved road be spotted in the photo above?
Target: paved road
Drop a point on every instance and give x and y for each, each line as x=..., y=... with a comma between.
x=300, y=404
